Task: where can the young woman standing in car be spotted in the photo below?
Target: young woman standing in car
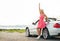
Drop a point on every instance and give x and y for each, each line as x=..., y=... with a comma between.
x=41, y=22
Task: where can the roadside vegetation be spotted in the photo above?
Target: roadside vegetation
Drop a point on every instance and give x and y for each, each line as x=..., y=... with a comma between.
x=13, y=30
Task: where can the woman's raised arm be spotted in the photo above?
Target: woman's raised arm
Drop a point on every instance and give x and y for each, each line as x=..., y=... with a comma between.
x=39, y=7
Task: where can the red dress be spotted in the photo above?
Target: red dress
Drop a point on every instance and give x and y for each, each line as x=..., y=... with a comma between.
x=41, y=23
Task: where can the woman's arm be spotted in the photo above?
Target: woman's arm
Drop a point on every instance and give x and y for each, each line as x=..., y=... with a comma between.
x=39, y=7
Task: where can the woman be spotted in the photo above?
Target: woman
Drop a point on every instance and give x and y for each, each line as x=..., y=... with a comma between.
x=41, y=22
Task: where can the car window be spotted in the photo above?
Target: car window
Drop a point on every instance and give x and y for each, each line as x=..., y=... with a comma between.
x=52, y=19
x=58, y=20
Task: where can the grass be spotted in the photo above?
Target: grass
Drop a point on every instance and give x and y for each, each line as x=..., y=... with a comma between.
x=13, y=30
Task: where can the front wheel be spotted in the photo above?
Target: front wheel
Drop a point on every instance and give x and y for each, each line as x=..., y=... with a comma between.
x=27, y=33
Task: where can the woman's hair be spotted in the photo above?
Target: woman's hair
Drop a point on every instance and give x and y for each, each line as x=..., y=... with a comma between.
x=41, y=10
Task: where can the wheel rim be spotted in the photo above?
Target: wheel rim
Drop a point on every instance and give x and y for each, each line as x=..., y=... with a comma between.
x=45, y=34
x=27, y=33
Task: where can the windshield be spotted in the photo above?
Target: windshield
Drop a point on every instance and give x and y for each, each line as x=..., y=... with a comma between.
x=52, y=19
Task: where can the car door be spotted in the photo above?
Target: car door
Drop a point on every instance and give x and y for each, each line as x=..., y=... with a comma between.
x=33, y=27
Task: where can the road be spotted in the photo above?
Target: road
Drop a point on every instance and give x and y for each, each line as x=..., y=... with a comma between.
x=6, y=36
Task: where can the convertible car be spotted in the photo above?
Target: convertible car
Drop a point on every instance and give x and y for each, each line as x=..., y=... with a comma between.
x=52, y=28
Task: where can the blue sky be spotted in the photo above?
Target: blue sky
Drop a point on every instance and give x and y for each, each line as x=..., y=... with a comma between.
x=24, y=12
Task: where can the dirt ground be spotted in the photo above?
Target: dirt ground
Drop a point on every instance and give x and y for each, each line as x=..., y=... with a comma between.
x=6, y=36
x=15, y=36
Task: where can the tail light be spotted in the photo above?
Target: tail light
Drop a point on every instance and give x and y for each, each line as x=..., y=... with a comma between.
x=56, y=25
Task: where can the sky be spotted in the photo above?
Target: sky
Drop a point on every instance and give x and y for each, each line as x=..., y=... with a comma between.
x=24, y=12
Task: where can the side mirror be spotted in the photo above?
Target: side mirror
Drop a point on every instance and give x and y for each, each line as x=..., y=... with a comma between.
x=33, y=23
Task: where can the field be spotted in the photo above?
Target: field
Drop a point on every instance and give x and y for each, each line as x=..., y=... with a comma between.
x=13, y=30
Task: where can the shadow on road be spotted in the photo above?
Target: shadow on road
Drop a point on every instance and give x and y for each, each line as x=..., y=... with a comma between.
x=51, y=38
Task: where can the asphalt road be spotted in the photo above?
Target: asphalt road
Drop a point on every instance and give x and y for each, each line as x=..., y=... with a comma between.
x=6, y=36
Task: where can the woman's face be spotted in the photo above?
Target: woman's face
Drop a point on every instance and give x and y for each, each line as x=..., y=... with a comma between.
x=41, y=12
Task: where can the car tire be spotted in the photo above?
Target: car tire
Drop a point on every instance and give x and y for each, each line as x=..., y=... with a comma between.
x=45, y=33
x=27, y=32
